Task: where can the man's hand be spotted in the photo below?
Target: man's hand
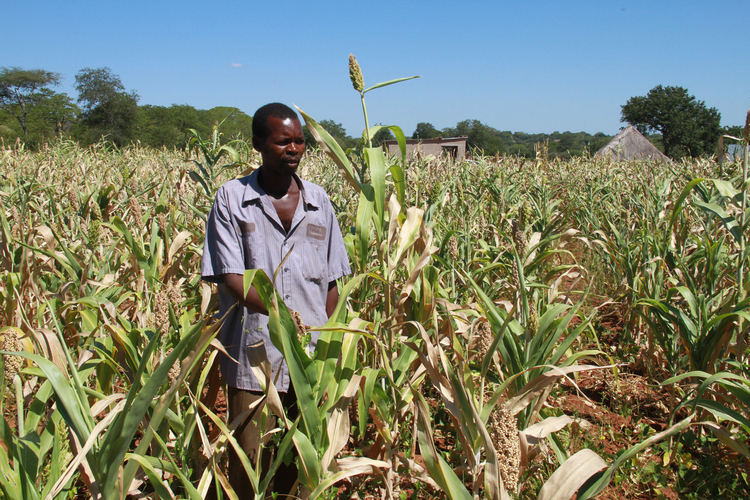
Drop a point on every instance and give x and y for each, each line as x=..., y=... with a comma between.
x=236, y=285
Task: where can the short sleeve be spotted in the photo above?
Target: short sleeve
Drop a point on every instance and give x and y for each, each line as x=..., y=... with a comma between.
x=222, y=248
x=338, y=259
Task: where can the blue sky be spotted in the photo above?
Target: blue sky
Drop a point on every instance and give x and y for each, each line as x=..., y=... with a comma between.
x=530, y=66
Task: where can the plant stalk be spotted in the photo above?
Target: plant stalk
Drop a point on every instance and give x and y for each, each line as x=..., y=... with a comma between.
x=367, y=122
x=17, y=385
x=741, y=258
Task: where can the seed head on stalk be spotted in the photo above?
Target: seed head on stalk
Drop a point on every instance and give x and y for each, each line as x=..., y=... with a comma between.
x=434, y=194
x=174, y=293
x=63, y=437
x=482, y=339
x=135, y=210
x=94, y=229
x=13, y=364
x=17, y=229
x=519, y=239
x=161, y=311
x=161, y=220
x=302, y=334
x=515, y=278
x=525, y=214
x=532, y=326
x=504, y=434
x=747, y=128
x=174, y=371
x=73, y=200
x=453, y=248
x=358, y=81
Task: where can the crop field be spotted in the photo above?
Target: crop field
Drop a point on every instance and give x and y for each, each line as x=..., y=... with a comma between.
x=512, y=328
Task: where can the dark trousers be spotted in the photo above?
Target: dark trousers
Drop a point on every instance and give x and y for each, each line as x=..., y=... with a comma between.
x=249, y=434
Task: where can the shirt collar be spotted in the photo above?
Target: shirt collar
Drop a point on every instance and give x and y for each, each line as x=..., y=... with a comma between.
x=253, y=191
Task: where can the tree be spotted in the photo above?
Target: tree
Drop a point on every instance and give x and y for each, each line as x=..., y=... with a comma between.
x=159, y=126
x=425, y=131
x=107, y=109
x=382, y=135
x=53, y=113
x=734, y=131
x=336, y=130
x=18, y=88
x=235, y=124
x=687, y=126
x=479, y=137
x=97, y=86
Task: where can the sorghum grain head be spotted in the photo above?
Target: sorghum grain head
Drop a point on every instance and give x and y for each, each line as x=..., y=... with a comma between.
x=13, y=364
x=504, y=435
x=355, y=74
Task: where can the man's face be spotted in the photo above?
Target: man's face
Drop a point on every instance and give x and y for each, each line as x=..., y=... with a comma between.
x=282, y=150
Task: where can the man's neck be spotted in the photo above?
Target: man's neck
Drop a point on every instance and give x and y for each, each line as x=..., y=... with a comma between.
x=277, y=186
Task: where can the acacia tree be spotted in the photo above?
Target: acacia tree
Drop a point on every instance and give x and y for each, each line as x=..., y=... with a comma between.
x=52, y=113
x=19, y=88
x=107, y=109
x=687, y=126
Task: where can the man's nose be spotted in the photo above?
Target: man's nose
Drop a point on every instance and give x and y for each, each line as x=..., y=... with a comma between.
x=294, y=148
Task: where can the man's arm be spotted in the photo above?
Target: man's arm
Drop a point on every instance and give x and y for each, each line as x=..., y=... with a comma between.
x=236, y=285
x=332, y=298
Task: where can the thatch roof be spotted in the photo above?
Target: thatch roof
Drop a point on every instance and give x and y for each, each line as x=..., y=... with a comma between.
x=630, y=144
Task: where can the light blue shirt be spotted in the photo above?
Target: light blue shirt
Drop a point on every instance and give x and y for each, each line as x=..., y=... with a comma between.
x=244, y=231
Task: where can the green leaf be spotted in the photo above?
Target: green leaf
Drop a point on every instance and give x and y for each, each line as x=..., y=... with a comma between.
x=70, y=407
x=729, y=221
x=725, y=188
x=376, y=162
x=329, y=145
x=389, y=82
x=309, y=460
x=438, y=469
x=27, y=461
x=678, y=207
x=282, y=331
x=154, y=476
x=120, y=435
x=363, y=239
x=399, y=185
x=192, y=492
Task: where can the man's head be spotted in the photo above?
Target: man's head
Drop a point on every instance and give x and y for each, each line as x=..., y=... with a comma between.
x=261, y=128
x=278, y=137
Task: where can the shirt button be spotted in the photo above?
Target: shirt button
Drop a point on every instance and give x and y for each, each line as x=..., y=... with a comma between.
x=286, y=297
x=286, y=269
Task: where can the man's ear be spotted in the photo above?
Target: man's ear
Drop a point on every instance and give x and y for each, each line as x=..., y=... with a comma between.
x=257, y=144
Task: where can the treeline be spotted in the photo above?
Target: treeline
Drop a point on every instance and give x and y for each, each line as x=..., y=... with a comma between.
x=481, y=139
x=35, y=114
x=30, y=110
x=484, y=139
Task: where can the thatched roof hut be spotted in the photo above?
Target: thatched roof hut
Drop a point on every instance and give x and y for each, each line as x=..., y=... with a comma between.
x=630, y=144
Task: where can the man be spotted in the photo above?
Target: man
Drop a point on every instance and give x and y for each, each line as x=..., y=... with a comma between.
x=257, y=222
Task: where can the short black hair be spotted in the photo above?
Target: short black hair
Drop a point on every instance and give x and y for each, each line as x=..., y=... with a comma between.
x=261, y=129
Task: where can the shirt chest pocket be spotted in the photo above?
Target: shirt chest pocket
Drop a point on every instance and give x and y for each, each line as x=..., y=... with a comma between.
x=314, y=261
x=253, y=246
